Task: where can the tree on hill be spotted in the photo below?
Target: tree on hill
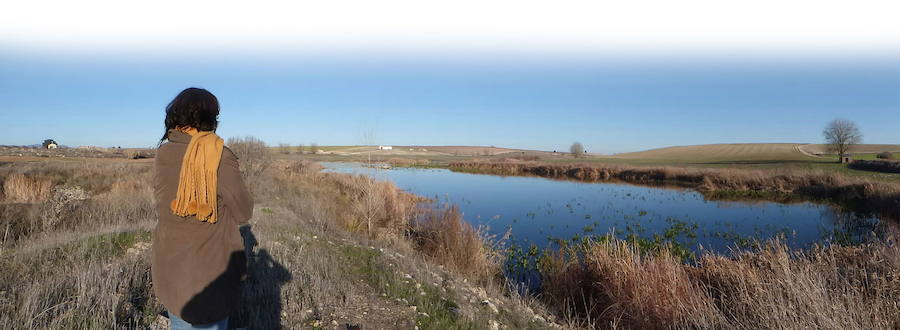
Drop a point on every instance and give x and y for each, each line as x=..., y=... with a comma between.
x=841, y=135
x=577, y=149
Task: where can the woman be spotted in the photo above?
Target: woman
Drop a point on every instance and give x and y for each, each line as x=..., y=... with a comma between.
x=198, y=262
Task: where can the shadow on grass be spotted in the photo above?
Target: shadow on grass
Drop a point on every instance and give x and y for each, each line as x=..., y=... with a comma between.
x=261, y=306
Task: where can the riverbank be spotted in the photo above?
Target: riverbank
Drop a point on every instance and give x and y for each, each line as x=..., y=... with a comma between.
x=326, y=251
x=330, y=250
x=858, y=193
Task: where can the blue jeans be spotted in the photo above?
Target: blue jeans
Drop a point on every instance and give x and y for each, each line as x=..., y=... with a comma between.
x=176, y=323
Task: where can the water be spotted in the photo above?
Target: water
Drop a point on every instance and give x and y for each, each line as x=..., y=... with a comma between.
x=542, y=212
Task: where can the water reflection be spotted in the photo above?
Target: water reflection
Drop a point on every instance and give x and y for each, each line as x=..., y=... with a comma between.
x=544, y=212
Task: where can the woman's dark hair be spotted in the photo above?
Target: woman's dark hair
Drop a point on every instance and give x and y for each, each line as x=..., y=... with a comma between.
x=193, y=107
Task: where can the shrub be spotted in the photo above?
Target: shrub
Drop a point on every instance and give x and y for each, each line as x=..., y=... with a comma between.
x=254, y=158
x=885, y=155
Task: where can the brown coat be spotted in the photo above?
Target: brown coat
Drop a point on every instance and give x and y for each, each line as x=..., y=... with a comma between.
x=198, y=267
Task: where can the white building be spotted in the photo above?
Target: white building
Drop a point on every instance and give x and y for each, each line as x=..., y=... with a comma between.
x=385, y=148
x=52, y=146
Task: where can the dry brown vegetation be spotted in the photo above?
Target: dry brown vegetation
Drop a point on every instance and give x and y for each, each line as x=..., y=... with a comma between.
x=88, y=267
x=78, y=257
x=869, y=195
x=379, y=210
x=614, y=285
x=18, y=188
x=443, y=235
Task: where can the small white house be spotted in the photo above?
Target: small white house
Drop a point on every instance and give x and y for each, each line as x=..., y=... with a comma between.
x=52, y=146
x=385, y=148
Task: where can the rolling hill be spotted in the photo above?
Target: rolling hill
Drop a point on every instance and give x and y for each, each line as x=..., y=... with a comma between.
x=725, y=153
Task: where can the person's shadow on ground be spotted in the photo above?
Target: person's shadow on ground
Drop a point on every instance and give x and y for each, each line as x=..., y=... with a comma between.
x=261, y=306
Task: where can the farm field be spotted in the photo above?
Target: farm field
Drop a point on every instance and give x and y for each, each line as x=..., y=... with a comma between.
x=756, y=153
x=858, y=149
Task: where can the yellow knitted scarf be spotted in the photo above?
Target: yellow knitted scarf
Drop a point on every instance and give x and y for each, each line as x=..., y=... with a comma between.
x=199, y=173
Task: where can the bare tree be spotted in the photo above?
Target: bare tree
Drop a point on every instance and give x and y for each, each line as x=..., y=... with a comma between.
x=313, y=148
x=372, y=199
x=300, y=148
x=577, y=149
x=841, y=135
x=253, y=156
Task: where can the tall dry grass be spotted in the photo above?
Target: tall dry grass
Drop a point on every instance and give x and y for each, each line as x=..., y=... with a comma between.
x=869, y=195
x=88, y=283
x=443, y=235
x=612, y=284
x=19, y=188
x=74, y=196
x=380, y=210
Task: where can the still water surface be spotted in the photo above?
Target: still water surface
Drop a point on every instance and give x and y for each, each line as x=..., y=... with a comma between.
x=540, y=211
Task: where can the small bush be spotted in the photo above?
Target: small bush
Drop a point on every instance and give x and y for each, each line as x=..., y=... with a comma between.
x=885, y=155
x=254, y=158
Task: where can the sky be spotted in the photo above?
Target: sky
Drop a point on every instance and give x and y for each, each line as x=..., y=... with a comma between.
x=521, y=74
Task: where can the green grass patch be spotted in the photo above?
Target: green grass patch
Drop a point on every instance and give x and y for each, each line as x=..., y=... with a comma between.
x=427, y=298
x=97, y=247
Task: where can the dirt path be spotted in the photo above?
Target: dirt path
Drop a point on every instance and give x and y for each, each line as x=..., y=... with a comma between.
x=802, y=150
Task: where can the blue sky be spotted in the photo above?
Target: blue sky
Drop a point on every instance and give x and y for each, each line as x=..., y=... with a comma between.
x=611, y=103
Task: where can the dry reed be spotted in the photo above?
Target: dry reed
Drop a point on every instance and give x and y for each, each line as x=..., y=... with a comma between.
x=444, y=236
x=833, y=287
x=19, y=188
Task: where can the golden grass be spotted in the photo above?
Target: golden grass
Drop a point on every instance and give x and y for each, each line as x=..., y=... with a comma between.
x=65, y=196
x=826, y=288
x=19, y=188
x=443, y=235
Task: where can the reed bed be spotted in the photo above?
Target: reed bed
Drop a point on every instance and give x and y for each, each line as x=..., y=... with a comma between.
x=612, y=284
